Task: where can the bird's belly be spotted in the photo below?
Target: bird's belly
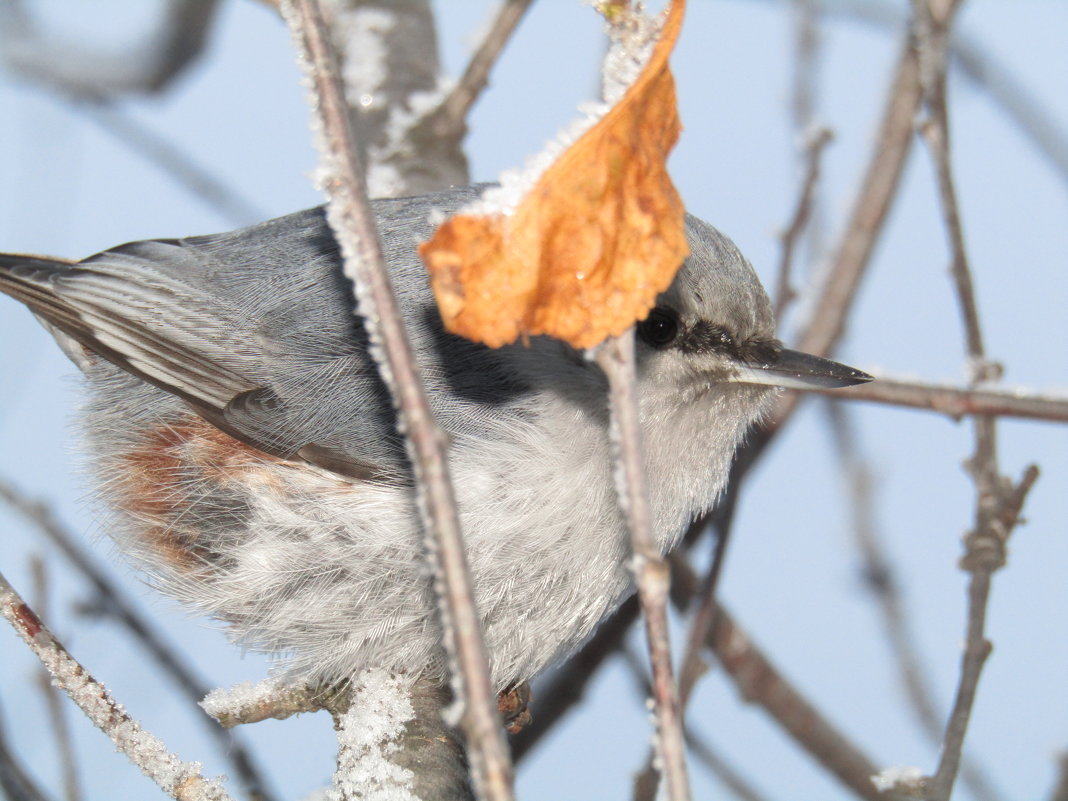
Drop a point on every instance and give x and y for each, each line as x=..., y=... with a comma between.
x=330, y=574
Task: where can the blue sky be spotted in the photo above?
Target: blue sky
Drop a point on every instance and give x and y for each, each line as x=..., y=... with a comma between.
x=70, y=189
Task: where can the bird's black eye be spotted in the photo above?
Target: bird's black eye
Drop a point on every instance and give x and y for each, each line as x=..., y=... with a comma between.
x=660, y=328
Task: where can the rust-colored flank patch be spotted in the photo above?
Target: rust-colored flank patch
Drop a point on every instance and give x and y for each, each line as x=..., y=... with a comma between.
x=173, y=479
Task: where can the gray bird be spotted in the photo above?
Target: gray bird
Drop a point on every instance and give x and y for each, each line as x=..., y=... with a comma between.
x=240, y=434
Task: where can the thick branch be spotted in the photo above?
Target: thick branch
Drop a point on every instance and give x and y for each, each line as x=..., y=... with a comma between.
x=388, y=55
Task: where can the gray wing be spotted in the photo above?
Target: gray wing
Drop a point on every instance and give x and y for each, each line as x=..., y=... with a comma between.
x=254, y=330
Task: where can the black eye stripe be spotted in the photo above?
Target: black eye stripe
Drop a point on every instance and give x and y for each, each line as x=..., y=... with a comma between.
x=703, y=337
x=706, y=337
x=662, y=329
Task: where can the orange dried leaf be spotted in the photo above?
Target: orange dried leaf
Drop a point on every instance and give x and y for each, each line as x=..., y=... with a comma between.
x=589, y=248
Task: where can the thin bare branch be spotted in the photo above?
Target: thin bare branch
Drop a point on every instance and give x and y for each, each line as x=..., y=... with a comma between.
x=125, y=612
x=761, y=683
x=980, y=66
x=806, y=40
x=450, y=120
x=933, y=34
x=350, y=216
x=180, y=780
x=816, y=141
x=881, y=580
x=721, y=768
x=1060, y=790
x=998, y=502
x=827, y=316
x=200, y=181
x=150, y=66
x=616, y=359
x=16, y=784
x=958, y=401
x=646, y=784
x=984, y=555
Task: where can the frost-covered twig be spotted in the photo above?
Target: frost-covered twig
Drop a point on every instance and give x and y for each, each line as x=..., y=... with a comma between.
x=616, y=359
x=368, y=732
x=350, y=216
x=180, y=780
x=394, y=744
x=269, y=699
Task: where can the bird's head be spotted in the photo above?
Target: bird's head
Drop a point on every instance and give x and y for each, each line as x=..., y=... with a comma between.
x=713, y=332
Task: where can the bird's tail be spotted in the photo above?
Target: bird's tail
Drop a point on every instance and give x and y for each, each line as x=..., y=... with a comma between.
x=31, y=280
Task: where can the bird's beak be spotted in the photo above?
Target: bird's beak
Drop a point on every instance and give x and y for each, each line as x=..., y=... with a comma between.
x=793, y=369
